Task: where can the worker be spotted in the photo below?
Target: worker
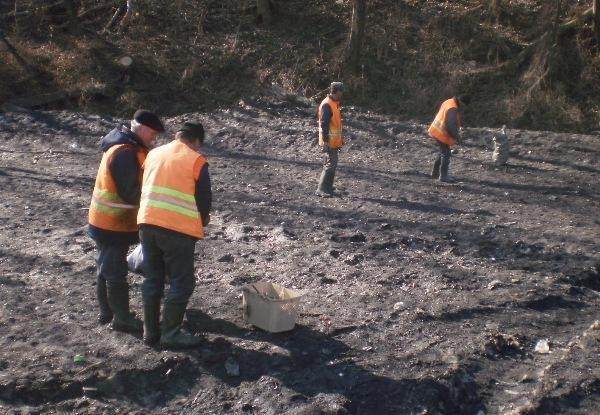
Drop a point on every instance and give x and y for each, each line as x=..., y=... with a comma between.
x=330, y=137
x=113, y=213
x=445, y=129
x=174, y=208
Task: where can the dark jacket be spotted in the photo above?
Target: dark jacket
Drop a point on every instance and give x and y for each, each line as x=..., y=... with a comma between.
x=326, y=115
x=125, y=170
x=452, y=123
x=203, y=195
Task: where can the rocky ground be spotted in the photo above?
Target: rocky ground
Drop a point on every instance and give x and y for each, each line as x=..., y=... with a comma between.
x=421, y=298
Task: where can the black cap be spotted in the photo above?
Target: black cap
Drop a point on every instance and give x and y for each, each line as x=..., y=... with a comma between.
x=149, y=119
x=192, y=130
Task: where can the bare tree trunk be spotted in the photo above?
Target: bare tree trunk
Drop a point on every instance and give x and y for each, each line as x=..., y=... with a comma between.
x=71, y=7
x=128, y=14
x=13, y=51
x=263, y=12
x=495, y=10
x=357, y=32
x=115, y=18
x=596, y=11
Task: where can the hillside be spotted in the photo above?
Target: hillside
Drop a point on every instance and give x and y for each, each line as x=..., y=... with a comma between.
x=200, y=55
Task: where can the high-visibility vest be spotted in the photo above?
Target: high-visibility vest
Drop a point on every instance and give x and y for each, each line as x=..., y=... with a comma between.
x=169, y=187
x=335, y=125
x=438, y=129
x=107, y=210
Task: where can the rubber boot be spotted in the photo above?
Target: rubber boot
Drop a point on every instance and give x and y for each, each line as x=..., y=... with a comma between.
x=171, y=335
x=118, y=299
x=435, y=172
x=444, y=167
x=325, y=188
x=106, y=315
x=151, y=321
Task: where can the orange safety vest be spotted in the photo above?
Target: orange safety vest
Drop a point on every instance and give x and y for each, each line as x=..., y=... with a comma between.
x=438, y=128
x=335, y=125
x=169, y=187
x=107, y=210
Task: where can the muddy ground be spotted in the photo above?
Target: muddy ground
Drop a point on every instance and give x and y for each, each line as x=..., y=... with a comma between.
x=421, y=298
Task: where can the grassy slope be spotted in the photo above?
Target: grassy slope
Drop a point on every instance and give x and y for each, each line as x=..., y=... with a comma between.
x=416, y=54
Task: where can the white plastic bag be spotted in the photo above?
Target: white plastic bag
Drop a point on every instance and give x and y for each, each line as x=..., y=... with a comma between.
x=134, y=260
x=501, y=148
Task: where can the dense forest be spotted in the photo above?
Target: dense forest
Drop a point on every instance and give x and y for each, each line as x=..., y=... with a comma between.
x=526, y=63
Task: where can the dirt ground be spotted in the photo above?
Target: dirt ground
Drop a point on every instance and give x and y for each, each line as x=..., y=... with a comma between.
x=421, y=298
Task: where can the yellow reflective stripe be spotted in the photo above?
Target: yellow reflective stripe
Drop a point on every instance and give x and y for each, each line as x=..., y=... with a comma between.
x=108, y=210
x=169, y=199
x=440, y=126
x=173, y=208
x=105, y=194
x=170, y=192
x=113, y=204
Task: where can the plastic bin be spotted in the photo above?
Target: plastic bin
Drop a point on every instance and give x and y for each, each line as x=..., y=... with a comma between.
x=270, y=307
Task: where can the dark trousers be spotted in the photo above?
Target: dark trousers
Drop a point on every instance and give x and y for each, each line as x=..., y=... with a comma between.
x=167, y=253
x=111, y=262
x=441, y=165
x=329, y=166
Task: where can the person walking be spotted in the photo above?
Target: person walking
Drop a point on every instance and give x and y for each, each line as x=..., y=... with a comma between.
x=445, y=129
x=330, y=137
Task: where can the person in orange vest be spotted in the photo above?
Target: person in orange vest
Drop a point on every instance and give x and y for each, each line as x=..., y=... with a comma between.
x=113, y=212
x=445, y=129
x=174, y=208
x=330, y=137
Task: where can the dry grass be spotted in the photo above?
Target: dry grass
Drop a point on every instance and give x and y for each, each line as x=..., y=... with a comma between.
x=416, y=54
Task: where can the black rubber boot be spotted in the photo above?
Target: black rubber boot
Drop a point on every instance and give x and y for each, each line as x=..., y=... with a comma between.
x=444, y=167
x=106, y=315
x=435, y=172
x=118, y=299
x=171, y=335
x=325, y=188
x=151, y=321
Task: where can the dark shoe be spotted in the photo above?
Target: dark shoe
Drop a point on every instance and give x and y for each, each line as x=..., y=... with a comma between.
x=151, y=321
x=171, y=335
x=435, y=172
x=118, y=299
x=106, y=315
x=326, y=182
x=444, y=168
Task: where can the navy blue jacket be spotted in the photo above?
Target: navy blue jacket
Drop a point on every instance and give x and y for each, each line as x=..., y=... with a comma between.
x=326, y=115
x=125, y=170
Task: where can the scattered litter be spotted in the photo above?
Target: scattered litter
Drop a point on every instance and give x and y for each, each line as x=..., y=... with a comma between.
x=79, y=359
x=354, y=259
x=501, y=147
x=399, y=306
x=542, y=346
x=135, y=259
